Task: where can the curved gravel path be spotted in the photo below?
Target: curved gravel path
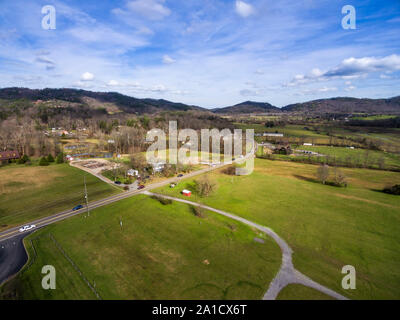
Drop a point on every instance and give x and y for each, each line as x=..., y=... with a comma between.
x=287, y=273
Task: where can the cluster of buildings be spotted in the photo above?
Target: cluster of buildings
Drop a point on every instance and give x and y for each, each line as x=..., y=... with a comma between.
x=60, y=132
x=270, y=134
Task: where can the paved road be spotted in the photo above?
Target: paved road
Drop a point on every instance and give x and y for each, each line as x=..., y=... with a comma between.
x=15, y=257
x=77, y=164
x=10, y=233
x=287, y=273
x=12, y=256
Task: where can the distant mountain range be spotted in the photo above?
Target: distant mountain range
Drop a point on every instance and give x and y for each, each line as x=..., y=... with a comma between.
x=122, y=102
x=129, y=104
x=248, y=107
x=347, y=105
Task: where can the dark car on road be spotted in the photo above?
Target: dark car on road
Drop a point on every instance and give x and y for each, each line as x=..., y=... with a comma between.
x=118, y=182
x=77, y=208
x=180, y=175
x=141, y=187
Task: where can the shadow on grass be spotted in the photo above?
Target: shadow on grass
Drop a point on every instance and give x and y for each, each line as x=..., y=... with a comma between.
x=306, y=178
x=327, y=183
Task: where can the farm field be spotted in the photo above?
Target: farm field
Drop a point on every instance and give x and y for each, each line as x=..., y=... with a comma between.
x=375, y=117
x=391, y=160
x=163, y=252
x=288, y=130
x=327, y=227
x=31, y=192
x=387, y=138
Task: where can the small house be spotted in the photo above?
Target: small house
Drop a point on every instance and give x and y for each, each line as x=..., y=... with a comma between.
x=283, y=149
x=132, y=173
x=186, y=193
x=158, y=167
x=9, y=155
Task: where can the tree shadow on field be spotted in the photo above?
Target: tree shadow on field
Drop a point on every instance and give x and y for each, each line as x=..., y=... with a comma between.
x=306, y=178
x=327, y=183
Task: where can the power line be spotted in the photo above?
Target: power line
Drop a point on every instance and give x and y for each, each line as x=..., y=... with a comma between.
x=86, y=196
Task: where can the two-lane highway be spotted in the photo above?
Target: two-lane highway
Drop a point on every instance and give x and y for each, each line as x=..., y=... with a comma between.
x=10, y=233
x=12, y=252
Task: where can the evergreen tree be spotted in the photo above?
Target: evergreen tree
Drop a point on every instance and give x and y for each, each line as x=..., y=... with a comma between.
x=43, y=162
x=60, y=158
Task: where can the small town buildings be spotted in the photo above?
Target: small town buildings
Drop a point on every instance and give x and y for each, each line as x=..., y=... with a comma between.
x=186, y=193
x=9, y=155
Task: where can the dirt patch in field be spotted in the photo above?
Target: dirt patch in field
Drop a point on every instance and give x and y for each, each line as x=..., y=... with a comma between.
x=287, y=169
x=20, y=178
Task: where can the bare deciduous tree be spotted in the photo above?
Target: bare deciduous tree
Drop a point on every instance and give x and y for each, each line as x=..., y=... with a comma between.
x=204, y=186
x=323, y=173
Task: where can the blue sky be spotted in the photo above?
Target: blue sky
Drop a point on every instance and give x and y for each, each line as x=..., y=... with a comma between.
x=210, y=53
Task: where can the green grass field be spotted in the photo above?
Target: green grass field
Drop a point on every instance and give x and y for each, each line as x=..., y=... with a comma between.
x=376, y=117
x=162, y=252
x=31, y=192
x=391, y=160
x=300, y=292
x=327, y=227
x=288, y=130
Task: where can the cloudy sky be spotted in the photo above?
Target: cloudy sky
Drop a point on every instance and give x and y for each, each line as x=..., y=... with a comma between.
x=210, y=53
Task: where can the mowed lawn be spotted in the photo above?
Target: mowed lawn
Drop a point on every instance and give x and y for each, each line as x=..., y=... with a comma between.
x=161, y=252
x=31, y=192
x=327, y=227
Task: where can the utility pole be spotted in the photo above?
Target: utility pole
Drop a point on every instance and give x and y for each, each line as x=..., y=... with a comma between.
x=86, y=196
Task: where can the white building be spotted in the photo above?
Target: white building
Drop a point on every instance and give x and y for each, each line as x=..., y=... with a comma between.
x=132, y=173
x=158, y=166
x=267, y=134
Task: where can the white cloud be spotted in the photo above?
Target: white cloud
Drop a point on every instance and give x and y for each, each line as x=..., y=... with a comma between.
x=150, y=9
x=244, y=9
x=158, y=88
x=350, y=88
x=81, y=84
x=46, y=61
x=113, y=83
x=87, y=76
x=319, y=90
x=168, y=60
x=316, y=72
x=102, y=34
x=250, y=93
x=385, y=76
x=351, y=68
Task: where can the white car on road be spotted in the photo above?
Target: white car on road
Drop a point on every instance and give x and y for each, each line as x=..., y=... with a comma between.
x=26, y=228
